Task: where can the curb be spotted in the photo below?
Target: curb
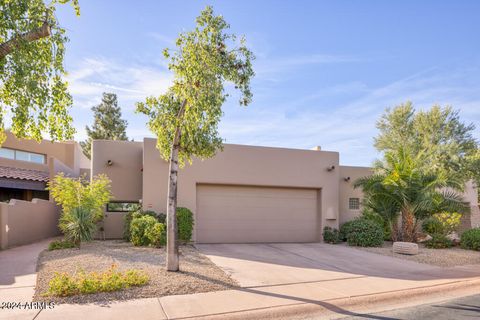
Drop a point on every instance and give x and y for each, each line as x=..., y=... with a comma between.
x=357, y=305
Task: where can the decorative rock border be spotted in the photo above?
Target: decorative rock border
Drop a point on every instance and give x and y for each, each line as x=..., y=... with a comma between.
x=405, y=248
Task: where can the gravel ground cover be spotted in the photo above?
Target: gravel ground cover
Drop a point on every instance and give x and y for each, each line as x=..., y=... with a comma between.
x=197, y=272
x=450, y=257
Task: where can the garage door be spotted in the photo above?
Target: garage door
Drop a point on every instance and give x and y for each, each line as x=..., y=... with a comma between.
x=239, y=214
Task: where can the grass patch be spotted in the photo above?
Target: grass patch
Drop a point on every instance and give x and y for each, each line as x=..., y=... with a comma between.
x=64, y=285
x=60, y=244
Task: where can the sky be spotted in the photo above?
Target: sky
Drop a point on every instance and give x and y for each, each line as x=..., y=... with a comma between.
x=325, y=70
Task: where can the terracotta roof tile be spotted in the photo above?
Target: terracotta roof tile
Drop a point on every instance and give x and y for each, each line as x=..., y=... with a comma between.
x=23, y=174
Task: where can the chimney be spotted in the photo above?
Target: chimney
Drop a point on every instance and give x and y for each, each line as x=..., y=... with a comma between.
x=317, y=148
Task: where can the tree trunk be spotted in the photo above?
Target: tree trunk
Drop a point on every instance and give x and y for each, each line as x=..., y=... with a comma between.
x=407, y=225
x=8, y=46
x=172, y=239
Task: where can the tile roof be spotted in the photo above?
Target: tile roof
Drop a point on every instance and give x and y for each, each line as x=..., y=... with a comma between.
x=23, y=174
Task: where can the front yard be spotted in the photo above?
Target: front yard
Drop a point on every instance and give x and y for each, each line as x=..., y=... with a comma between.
x=449, y=257
x=197, y=273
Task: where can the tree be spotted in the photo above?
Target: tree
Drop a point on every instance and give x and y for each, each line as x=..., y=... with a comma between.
x=437, y=139
x=400, y=186
x=32, y=49
x=107, y=124
x=185, y=118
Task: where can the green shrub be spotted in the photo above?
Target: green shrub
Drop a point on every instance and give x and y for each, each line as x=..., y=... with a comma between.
x=138, y=229
x=129, y=216
x=64, y=285
x=470, y=239
x=60, y=244
x=345, y=229
x=78, y=225
x=156, y=235
x=369, y=214
x=184, y=224
x=331, y=235
x=364, y=233
x=438, y=241
x=432, y=226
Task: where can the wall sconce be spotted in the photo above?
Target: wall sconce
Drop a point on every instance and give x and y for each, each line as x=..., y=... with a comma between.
x=331, y=168
x=109, y=163
x=346, y=179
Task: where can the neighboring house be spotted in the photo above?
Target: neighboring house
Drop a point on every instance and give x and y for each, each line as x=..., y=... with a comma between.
x=26, y=166
x=243, y=194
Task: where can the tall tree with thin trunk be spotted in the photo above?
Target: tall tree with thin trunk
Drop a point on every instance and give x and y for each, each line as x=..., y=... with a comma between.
x=32, y=89
x=185, y=119
x=108, y=123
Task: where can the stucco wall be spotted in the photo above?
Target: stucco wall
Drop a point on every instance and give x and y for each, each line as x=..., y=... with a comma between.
x=24, y=222
x=245, y=165
x=126, y=169
x=347, y=191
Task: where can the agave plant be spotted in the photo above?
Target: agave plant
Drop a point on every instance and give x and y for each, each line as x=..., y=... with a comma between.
x=399, y=187
x=78, y=225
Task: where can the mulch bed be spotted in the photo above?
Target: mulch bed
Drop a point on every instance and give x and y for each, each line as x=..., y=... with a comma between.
x=197, y=273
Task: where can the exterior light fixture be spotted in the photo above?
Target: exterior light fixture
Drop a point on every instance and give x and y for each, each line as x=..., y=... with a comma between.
x=109, y=163
x=346, y=179
x=331, y=168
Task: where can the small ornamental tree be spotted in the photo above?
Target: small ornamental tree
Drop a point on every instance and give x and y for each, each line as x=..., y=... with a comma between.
x=107, y=125
x=32, y=88
x=185, y=119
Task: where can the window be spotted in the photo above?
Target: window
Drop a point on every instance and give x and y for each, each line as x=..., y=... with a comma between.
x=126, y=206
x=354, y=203
x=22, y=155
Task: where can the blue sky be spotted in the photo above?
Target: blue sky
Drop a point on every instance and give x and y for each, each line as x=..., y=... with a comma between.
x=325, y=70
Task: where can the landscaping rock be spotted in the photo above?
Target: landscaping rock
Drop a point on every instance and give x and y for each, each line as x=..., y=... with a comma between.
x=405, y=248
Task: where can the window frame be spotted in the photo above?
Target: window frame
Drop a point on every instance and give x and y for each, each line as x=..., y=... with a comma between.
x=107, y=209
x=353, y=200
x=28, y=153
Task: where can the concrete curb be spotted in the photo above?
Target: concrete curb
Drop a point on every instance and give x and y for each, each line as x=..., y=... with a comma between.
x=358, y=305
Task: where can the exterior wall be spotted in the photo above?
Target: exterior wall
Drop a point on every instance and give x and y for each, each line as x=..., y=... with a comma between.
x=248, y=166
x=125, y=174
x=24, y=222
x=66, y=152
x=347, y=191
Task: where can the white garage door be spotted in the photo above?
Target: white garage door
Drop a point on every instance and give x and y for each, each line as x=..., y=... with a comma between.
x=239, y=214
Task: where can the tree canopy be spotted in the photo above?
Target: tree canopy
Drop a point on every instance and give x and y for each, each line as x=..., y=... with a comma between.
x=32, y=89
x=439, y=141
x=107, y=124
x=203, y=61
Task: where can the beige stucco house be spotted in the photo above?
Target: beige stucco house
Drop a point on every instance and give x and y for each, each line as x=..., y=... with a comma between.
x=26, y=212
x=243, y=194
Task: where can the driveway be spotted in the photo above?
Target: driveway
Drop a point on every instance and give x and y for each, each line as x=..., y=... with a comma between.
x=254, y=265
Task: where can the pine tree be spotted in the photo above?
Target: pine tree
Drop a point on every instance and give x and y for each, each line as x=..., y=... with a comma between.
x=108, y=123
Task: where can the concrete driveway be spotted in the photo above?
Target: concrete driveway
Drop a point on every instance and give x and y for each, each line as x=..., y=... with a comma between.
x=254, y=265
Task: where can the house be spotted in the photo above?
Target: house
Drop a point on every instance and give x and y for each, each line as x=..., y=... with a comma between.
x=26, y=166
x=243, y=194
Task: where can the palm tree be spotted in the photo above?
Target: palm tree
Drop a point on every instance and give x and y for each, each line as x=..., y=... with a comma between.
x=399, y=187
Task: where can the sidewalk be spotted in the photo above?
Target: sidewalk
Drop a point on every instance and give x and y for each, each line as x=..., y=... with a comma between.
x=18, y=277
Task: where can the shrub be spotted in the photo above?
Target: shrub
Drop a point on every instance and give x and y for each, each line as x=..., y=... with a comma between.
x=138, y=229
x=345, y=229
x=438, y=241
x=470, y=239
x=156, y=235
x=60, y=244
x=64, y=285
x=184, y=224
x=432, y=226
x=364, y=233
x=331, y=235
x=129, y=216
x=79, y=225
x=369, y=214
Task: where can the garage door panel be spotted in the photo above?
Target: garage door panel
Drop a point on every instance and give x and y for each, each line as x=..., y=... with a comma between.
x=255, y=214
